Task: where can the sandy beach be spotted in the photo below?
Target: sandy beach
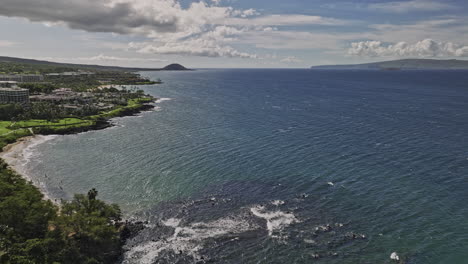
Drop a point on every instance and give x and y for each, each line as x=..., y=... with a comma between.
x=18, y=154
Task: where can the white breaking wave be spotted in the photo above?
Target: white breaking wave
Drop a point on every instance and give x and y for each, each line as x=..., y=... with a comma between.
x=187, y=239
x=160, y=100
x=276, y=220
x=277, y=202
x=22, y=152
x=172, y=222
x=394, y=256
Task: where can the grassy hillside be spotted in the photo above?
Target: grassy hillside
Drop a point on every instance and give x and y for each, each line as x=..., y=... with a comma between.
x=47, y=66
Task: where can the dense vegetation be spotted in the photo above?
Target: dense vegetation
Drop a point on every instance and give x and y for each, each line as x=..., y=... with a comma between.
x=33, y=230
x=7, y=67
x=35, y=88
x=30, y=66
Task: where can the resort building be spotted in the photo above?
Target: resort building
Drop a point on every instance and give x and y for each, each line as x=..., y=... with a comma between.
x=8, y=84
x=22, y=78
x=69, y=74
x=13, y=94
x=32, y=78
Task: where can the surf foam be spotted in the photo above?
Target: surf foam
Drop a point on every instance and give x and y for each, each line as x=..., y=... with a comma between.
x=160, y=100
x=276, y=220
x=188, y=239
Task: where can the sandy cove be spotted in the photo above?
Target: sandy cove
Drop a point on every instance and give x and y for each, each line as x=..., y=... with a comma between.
x=17, y=155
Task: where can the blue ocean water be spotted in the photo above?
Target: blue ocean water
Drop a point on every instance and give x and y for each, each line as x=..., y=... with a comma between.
x=282, y=166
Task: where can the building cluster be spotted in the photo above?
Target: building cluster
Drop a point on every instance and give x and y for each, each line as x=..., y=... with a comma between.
x=11, y=93
x=59, y=95
x=21, y=78
x=64, y=97
x=69, y=74
x=68, y=98
x=9, y=90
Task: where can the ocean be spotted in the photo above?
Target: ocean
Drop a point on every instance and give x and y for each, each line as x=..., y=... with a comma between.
x=281, y=166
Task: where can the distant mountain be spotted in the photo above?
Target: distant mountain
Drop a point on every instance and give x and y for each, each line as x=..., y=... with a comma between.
x=407, y=64
x=172, y=67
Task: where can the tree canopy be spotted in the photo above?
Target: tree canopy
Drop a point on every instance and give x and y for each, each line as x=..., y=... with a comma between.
x=33, y=230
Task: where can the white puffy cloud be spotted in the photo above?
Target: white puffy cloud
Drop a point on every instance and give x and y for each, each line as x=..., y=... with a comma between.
x=409, y=6
x=424, y=48
x=196, y=47
x=211, y=43
x=208, y=44
x=173, y=29
x=285, y=20
x=203, y=28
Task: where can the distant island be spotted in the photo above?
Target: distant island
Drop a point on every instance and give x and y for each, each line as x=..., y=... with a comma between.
x=406, y=64
x=175, y=67
x=171, y=67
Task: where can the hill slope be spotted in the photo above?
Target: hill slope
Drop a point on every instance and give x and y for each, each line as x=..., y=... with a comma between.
x=83, y=66
x=406, y=64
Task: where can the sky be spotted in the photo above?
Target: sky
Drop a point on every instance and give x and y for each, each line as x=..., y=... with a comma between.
x=233, y=33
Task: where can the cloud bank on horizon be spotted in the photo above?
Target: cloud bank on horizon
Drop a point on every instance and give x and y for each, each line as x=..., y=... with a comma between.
x=425, y=48
x=237, y=33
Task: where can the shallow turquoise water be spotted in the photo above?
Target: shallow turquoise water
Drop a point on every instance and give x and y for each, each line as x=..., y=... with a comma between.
x=249, y=166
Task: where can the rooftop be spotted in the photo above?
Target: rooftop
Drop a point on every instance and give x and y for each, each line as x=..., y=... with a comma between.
x=13, y=89
x=19, y=75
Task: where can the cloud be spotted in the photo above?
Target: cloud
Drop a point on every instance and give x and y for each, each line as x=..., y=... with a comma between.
x=203, y=28
x=451, y=28
x=286, y=20
x=102, y=57
x=88, y=15
x=409, y=6
x=193, y=47
x=291, y=59
x=212, y=43
x=193, y=30
x=142, y=17
x=424, y=48
x=297, y=40
x=6, y=43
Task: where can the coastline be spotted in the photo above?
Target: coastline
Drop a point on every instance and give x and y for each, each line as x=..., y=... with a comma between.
x=15, y=154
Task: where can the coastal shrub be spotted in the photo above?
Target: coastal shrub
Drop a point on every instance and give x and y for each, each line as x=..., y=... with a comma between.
x=33, y=230
x=90, y=229
x=10, y=111
x=13, y=137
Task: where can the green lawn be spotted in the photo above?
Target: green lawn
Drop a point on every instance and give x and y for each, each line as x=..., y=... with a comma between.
x=60, y=122
x=4, y=127
x=10, y=131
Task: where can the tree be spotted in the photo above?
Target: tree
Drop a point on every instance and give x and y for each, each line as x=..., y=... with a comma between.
x=31, y=230
x=92, y=194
